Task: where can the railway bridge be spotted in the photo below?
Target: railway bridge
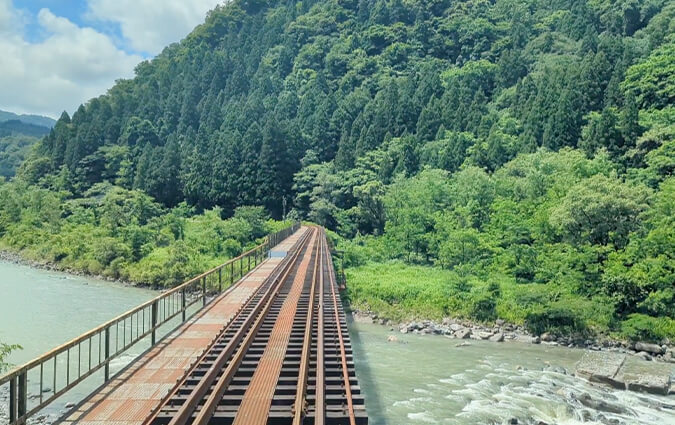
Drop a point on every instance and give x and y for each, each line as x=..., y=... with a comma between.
x=261, y=339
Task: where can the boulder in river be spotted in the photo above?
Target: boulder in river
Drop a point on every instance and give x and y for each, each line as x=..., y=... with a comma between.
x=654, y=384
x=362, y=318
x=484, y=335
x=463, y=333
x=649, y=377
x=622, y=372
x=547, y=337
x=669, y=357
x=649, y=348
x=498, y=337
x=643, y=355
x=601, y=367
x=602, y=405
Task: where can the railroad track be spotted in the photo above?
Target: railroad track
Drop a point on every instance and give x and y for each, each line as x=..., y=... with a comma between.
x=285, y=358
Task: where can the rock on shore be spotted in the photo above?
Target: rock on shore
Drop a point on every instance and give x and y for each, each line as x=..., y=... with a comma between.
x=621, y=372
x=502, y=331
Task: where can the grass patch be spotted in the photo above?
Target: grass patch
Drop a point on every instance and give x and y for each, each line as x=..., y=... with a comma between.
x=398, y=291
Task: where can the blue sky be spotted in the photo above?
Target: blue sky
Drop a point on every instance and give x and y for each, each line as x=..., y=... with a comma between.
x=58, y=54
x=76, y=12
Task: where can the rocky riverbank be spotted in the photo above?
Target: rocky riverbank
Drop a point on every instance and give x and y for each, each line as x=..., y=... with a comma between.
x=501, y=331
x=15, y=258
x=40, y=419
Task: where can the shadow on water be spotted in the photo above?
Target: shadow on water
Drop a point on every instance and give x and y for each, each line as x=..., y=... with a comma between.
x=369, y=389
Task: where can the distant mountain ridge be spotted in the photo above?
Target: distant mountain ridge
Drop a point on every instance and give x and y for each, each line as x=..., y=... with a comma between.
x=37, y=120
x=18, y=127
x=18, y=134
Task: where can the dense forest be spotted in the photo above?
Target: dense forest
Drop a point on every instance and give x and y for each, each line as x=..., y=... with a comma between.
x=484, y=159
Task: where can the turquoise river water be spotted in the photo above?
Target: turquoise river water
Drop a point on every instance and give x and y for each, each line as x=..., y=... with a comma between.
x=417, y=380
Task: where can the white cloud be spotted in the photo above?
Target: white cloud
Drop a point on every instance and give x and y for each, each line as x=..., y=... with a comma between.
x=11, y=20
x=70, y=66
x=150, y=25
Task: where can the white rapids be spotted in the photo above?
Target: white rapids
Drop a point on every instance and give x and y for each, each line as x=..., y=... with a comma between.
x=428, y=380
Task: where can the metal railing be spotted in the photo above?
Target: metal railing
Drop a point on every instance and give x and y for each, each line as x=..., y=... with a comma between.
x=94, y=350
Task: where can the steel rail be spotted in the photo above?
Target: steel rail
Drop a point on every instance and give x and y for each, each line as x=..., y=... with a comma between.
x=320, y=382
x=246, y=333
x=300, y=408
x=343, y=356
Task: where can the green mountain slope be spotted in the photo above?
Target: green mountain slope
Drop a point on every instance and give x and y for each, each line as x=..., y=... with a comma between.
x=225, y=117
x=18, y=133
x=524, y=148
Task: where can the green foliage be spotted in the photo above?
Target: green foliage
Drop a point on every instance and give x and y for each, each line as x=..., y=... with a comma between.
x=575, y=249
x=651, y=81
x=6, y=350
x=124, y=234
x=601, y=210
x=13, y=151
x=639, y=327
x=558, y=319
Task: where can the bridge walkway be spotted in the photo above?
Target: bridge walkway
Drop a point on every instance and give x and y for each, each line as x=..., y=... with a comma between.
x=131, y=395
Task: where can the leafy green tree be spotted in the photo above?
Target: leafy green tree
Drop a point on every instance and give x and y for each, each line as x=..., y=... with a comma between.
x=370, y=201
x=601, y=211
x=651, y=80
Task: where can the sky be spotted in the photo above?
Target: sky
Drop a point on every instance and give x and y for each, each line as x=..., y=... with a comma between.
x=57, y=54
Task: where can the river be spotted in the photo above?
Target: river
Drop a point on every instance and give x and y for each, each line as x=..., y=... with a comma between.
x=417, y=380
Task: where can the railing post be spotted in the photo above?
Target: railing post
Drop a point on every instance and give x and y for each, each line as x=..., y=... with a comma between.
x=22, y=395
x=249, y=262
x=220, y=280
x=232, y=273
x=154, y=323
x=241, y=267
x=12, y=401
x=204, y=291
x=106, y=371
x=182, y=296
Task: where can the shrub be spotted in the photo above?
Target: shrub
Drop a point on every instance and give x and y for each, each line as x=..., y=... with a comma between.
x=640, y=327
x=555, y=319
x=484, y=308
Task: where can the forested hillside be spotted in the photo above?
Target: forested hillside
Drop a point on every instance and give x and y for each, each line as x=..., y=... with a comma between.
x=18, y=133
x=523, y=148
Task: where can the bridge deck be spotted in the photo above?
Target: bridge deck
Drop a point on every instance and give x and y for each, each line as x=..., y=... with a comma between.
x=133, y=394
